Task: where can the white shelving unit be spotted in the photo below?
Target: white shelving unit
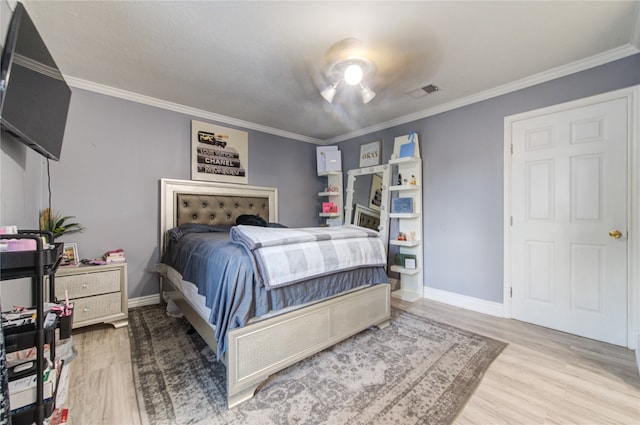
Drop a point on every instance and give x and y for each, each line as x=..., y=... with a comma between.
x=410, y=224
x=333, y=179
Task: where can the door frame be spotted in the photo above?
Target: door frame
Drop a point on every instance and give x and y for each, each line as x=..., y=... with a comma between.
x=632, y=96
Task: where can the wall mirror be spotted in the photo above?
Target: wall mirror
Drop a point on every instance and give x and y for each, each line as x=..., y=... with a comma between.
x=367, y=203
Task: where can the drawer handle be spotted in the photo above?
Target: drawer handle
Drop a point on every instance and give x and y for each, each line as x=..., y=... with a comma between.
x=86, y=309
x=85, y=285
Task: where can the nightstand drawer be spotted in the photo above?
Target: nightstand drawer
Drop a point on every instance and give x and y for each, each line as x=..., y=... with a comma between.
x=88, y=284
x=98, y=306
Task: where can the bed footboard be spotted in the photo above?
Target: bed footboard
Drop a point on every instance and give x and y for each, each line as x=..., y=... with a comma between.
x=257, y=351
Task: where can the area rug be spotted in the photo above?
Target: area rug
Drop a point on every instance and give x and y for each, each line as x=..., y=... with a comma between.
x=416, y=371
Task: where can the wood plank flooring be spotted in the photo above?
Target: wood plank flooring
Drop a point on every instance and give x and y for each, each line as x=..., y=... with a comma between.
x=542, y=377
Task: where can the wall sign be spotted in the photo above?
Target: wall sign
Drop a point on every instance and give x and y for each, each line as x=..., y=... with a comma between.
x=370, y=154
x=218, y=153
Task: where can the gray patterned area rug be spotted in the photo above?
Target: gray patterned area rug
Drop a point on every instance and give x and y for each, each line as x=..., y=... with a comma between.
x=416, y=371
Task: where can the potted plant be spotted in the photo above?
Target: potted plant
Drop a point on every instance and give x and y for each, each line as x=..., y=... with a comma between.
x=58, y=224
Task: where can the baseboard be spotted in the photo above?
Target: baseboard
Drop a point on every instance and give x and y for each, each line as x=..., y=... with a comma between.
x=457, y=300
x=142, y=301
x=638, y=353
x=463, y=301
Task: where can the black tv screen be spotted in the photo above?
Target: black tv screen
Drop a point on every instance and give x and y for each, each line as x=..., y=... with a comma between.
x=34, y=98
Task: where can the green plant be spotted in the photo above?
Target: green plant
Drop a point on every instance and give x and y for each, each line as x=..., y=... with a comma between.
x=57, y=223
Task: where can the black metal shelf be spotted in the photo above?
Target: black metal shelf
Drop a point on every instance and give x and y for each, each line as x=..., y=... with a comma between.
x=34, y=264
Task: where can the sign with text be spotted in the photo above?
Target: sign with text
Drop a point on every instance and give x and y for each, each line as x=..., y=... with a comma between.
x=219, y=153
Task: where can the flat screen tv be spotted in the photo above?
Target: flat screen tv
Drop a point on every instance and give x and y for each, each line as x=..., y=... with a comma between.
x=34, y=98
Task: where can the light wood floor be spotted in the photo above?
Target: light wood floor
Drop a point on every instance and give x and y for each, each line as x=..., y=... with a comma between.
x=542, y=377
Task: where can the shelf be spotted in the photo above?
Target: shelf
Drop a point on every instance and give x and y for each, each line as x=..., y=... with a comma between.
x=404, y=243
x=333, y=180
x=404, y=215
x=20, y=264
x=405, y=187
x=34, y=264
x=402, y=270
x=330, y=173
x=29, y=414
x=406, y=160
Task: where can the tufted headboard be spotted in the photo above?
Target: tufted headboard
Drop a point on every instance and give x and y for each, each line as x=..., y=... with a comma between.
x=218, y=209
x=188, y=201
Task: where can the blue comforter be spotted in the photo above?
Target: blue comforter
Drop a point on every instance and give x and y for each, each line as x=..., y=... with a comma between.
x=224, y=274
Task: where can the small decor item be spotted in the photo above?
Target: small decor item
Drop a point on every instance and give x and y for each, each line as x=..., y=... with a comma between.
x=406, y=146
x=408, y=261
x=70, y=256
x=58, y=223
x=329, y=207
x=402, y=205
x=115, y=256
x=413, y=180
x=333, y=160
x=321, y=162
x=375, y=196
x=370, y=154
x=219, y=153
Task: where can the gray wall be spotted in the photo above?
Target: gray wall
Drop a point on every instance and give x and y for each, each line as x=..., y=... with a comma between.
x=462, y=152
x=116, y=151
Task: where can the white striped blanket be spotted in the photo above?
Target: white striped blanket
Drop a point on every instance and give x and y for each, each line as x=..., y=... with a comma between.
x=284, y=256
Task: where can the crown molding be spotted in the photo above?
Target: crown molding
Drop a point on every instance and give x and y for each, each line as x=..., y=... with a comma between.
x=542, y=77
x=187, y=110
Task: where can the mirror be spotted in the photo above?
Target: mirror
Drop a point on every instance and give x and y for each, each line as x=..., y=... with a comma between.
x=367, y=203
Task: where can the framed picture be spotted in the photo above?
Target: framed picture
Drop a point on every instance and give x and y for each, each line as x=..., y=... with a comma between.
x=366, y=217
x=218, y=153
x=375, y=195
x=406, y=146
x=370, y=153
x=70, y=255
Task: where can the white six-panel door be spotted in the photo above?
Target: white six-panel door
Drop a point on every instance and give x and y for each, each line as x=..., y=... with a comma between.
x=569, y=220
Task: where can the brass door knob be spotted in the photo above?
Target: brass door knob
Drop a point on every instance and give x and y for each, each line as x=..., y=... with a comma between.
x=617, y=234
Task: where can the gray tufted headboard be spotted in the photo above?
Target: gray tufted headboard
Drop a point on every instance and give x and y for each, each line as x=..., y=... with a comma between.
x=188, y=201
x=218, y=209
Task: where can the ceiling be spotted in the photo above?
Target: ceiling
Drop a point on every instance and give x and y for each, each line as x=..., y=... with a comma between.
x=261, y=64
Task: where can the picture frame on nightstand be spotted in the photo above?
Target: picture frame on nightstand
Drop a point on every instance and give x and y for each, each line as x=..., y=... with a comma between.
x=70, y=257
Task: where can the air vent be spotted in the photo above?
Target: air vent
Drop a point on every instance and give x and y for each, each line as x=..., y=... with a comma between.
x=423, y=91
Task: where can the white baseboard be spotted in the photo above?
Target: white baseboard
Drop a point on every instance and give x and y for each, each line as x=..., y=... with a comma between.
x=638, y=353
x=451, y=298
x=143, y=301
x=464, y=301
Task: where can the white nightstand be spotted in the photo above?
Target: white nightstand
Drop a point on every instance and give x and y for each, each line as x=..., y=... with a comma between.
x=99, y=293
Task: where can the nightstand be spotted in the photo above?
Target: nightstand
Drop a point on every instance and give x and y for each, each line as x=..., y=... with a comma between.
x=99, y=293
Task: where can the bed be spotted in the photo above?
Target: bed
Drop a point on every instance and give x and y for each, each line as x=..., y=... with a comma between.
x=274, y=340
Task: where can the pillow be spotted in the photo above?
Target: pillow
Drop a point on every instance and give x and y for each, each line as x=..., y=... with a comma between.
x=251, y=220
x=178, y=232
x=276, y=225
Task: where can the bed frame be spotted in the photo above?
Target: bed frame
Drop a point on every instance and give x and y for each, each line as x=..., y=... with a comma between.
x=257, y=350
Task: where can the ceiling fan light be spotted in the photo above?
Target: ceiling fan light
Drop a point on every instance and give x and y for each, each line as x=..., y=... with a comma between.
x=329, y=93
x=353, y=74
x=367, y=94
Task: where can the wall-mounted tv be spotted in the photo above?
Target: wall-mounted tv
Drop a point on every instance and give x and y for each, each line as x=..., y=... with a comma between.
x=34, y=98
